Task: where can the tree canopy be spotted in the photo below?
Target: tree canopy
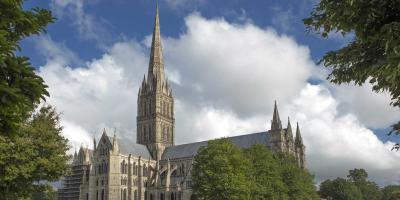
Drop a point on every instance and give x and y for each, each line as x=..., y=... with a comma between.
x=339, y=189
x=391, y=192
x=219, y=172
x=32, y=150
x=21, y=89
x=369, y=190
x=356, y=187
x=37, y=154
x=374, y=53
x=222, y=170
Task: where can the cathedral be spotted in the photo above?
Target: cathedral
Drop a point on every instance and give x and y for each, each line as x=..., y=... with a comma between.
x=155, y=168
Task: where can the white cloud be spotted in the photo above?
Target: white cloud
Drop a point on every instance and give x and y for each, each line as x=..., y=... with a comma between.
x=337, y=143
x=226, y=78
x=372, y=109
x=102, y=93
x=240, y=67
x=56, y=52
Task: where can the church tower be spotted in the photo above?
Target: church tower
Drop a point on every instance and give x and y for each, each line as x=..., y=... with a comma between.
x=155, y=113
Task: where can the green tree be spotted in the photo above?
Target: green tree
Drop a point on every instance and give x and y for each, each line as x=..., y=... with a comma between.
x=37, y=155
x=44, y=192
x=368, y=189
x=374, y=54
x=339, y=189
x=32, y=149
x=20, y=88
x=298, y=181
x=222, y=170
x=219, y=172
x=264, y=174
x=391, y=192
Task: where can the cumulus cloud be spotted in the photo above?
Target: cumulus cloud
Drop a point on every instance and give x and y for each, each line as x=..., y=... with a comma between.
x=101, y=93
x=225, y=79
x=240, y=67
x=372, y=109
x=336, y=143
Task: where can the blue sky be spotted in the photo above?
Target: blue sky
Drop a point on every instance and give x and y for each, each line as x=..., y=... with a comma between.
x=134, y=19
x=227, y=61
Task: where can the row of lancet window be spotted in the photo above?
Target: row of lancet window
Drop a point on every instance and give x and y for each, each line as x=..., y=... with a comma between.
x=135, y=169
x=124, y=181
x=147, y=196
x=103, y=151
x=173, y=196
x=101, y=168
x=146, y=132
x=146, y=108
x=100, y=196
x=124, y=167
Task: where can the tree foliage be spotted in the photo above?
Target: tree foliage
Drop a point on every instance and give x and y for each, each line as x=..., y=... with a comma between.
x=32, y=149
x=37, y=155
x=219, y=172
x=20, y=88
x=368, y=189
x=44, y=192
x=356, y=187
x=339, y=189
x=391, y=192
x=374, y=54
x=222, y=170
x=264, y=174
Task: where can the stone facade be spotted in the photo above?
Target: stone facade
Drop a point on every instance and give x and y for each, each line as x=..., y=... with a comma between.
x=155, y=168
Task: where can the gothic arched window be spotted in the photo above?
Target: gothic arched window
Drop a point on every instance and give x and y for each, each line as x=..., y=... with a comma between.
x=135, y=195
x=162, y=197
x=165, y=108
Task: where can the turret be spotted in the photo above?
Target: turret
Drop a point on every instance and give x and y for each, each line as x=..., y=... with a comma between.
x=276, y=123
x=300, y=148
x=289, y=139
x=298, y=140
x=289, y=134
x=115, y=147
x=277, y=134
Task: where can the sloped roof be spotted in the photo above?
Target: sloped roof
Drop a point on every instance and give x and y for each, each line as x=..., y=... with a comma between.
x=135, y=150
x=189, y=150
x=127, y=147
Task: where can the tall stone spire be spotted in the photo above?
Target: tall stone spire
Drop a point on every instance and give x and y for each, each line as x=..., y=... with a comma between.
x=156, y=63
x=276, y=123
x=155, y=119
x=298, y=140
